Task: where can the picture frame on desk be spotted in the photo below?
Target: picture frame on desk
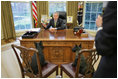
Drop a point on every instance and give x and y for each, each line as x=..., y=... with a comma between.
x=69, y=19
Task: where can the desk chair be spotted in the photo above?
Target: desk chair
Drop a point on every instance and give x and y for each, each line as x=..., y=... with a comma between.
x=73, y=72
x=62, y=15
x=24, y=61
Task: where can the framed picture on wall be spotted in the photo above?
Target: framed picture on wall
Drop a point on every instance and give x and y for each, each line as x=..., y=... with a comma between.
x=43, y=18
x=69, y=19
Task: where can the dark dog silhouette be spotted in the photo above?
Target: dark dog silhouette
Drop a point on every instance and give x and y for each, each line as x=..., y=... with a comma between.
x=34, y=66
x=83, y=64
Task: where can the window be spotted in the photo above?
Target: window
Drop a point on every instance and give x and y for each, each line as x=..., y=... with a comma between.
x=56, y=6
x=92, y=10
x=21, y=15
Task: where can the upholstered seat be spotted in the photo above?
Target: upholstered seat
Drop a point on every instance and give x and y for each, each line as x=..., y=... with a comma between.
x=49, y=68
x=25, y=60
x=73, y=72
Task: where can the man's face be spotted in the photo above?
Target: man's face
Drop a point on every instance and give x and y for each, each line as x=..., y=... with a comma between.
x=55, y=16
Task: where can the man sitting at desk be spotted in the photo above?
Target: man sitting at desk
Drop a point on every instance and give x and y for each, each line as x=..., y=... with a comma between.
x=55, y=24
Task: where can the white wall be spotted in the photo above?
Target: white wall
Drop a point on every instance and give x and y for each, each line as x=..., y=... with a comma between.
x=9, y=65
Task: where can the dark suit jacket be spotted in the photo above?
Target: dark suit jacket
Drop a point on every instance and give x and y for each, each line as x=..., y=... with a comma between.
x=59, y=24
x=106, y=43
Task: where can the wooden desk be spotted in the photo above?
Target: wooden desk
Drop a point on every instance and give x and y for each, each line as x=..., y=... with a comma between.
x=58, y=46
x=69, y=25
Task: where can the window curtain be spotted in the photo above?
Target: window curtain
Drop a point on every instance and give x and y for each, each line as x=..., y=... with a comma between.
x=7, y=21
x=72, y=8
x=42, y=9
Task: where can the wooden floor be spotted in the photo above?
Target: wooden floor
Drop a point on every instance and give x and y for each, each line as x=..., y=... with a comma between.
x=9, y=67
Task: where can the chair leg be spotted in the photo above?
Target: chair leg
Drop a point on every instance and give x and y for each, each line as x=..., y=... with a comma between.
x=61, y=73
x=57, y=72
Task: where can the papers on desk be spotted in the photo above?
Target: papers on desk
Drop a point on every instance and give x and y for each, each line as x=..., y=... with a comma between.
x=50, y=27
x=35, y=30
x=31, y=33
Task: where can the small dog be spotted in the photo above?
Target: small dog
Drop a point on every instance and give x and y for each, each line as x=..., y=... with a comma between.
x=76, y=49
x=83, y=63
x=34, y=66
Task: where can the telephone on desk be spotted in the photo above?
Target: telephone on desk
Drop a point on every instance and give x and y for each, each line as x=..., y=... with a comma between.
x=78, y=30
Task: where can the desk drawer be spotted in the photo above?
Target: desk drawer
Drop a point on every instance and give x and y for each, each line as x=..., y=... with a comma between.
x=58, y=54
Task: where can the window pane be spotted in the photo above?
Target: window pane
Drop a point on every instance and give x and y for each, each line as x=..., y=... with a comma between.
x=88, y=7
x=95, y=27
x=87, y=17
x=93, y=16
x=92, y=10
x=56, y=6
x=100, y=6
x=21, y=15
x=92, y=25
x=94, y=7
x=86, y=25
